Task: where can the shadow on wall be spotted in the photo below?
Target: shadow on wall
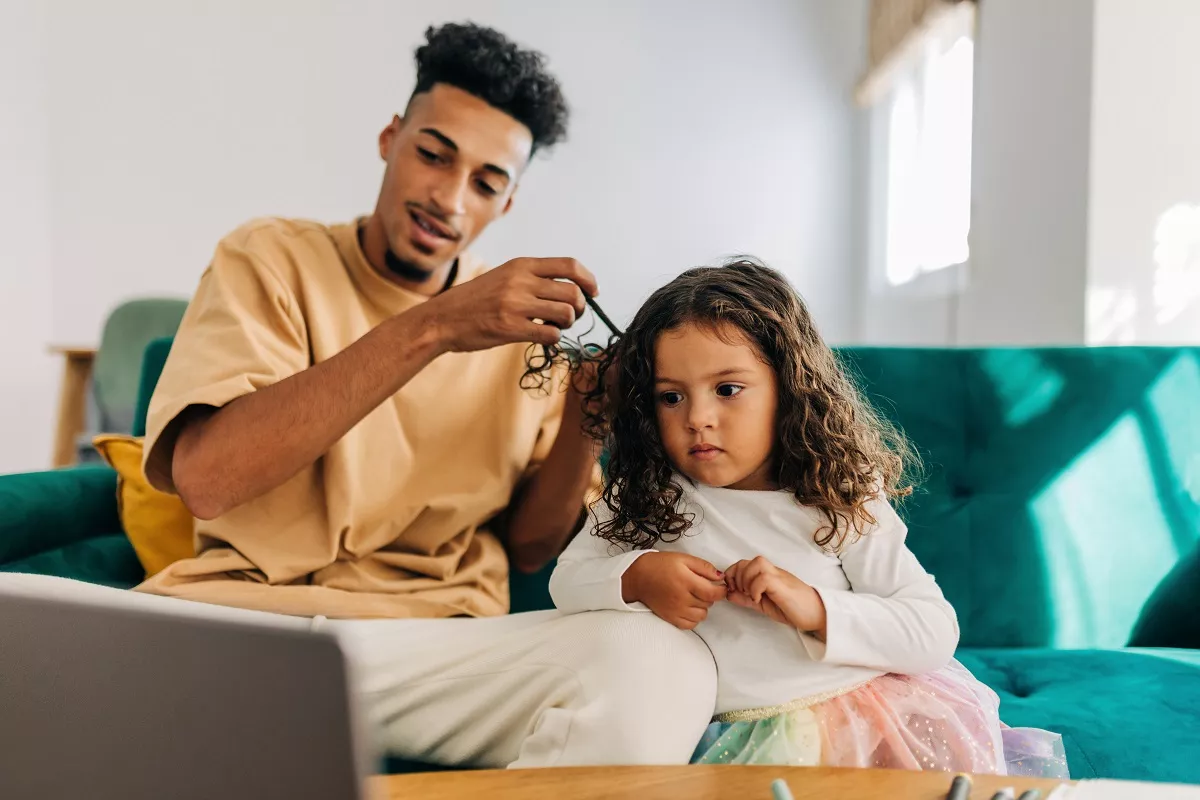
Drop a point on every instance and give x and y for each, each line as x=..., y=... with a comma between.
x=1062, y=485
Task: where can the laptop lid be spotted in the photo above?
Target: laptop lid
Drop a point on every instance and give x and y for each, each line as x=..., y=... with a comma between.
x=106, y=703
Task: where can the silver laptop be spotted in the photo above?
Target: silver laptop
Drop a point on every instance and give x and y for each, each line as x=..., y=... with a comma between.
x=104, y=703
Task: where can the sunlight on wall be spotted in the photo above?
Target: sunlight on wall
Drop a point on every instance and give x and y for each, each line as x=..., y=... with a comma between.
x=1104, y=539
x=1176, y=262
x=1111, y=316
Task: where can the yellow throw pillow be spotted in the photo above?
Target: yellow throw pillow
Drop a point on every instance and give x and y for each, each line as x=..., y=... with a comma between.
x=158, y=525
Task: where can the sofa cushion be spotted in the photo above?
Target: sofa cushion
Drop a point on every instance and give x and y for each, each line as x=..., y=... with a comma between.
x=158, y=524
x=1062, y=484
x=42, y=511
x=108, y=560
x=1128, y=714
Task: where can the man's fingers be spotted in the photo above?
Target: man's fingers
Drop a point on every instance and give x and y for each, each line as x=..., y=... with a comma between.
x=540, y=334
x=562, y=292
x=561, y=314
x=567, y=268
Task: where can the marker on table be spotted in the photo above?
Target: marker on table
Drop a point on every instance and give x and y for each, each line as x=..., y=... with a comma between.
x=1004, y=794
x=1030, y=794
x=780, y=790
x=960, y=788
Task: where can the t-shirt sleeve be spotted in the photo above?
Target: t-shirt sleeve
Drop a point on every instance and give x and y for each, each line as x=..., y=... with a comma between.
x=242, y=331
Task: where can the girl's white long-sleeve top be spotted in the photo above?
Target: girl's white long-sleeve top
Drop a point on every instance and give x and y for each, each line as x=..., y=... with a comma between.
x=884, y=612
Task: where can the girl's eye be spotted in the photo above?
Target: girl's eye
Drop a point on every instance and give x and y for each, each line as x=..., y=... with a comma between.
x=728, y=389
x=671, y=398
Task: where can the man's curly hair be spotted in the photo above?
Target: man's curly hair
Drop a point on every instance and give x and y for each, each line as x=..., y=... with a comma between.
x=485, y=63
x=833, y=451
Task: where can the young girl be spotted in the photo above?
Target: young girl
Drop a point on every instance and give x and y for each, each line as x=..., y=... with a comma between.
x=747, y=498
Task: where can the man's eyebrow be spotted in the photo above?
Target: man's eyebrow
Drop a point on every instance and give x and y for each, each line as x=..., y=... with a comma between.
x=441, y=137
x=501, y=171
x=452, y=145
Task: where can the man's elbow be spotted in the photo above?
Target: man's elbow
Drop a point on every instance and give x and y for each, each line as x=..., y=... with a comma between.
x=201, y=504
x=531, y=558
x=194, y=485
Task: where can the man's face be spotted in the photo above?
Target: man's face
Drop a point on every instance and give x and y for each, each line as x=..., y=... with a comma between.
x=452, y=167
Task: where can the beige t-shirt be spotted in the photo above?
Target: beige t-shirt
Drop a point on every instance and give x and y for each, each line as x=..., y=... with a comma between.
x=393, y=520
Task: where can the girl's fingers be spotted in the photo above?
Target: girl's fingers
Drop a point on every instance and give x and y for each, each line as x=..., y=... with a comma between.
x=759, y=585
x=733, y=575
x=752, y=573
x=739, y=599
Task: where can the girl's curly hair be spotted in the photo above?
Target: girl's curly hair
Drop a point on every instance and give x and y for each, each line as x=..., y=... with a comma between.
x=833, y=452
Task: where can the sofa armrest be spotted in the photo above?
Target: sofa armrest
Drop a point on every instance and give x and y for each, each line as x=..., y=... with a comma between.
x=41, y=511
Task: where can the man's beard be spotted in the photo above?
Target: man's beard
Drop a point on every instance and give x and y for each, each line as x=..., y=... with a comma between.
x=414, y=273
x=407, y=270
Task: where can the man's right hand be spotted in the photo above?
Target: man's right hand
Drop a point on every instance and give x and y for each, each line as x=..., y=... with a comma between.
x=500, y=306
x=679, y=588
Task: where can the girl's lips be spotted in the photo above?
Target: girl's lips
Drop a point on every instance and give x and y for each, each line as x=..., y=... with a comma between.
x=705, y=452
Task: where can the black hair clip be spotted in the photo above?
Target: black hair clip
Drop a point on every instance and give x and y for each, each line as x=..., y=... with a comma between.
x=602, y=316
x=541, y=359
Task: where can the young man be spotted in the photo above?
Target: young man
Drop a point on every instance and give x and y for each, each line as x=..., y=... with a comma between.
x=341, y=409
x=342, y=412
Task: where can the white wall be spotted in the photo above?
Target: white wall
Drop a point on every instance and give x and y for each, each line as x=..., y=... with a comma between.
x=27, y=379
x=701, y=128
x=1025, y=281
x=1086, y=184
x=1029, y=178
x=1145, y=162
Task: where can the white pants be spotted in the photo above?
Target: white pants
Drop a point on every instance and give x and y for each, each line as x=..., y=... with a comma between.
x=524, y=690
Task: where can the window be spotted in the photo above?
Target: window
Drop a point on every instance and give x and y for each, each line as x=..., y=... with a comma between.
x=922, y=184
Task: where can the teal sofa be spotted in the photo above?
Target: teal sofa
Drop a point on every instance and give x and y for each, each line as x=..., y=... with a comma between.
x=1060, y=512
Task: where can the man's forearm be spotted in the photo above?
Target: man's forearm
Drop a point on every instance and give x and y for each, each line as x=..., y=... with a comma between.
x=256, y=443
x=548, y=510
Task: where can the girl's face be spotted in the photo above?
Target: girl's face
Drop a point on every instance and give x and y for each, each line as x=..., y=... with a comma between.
x=716, y=402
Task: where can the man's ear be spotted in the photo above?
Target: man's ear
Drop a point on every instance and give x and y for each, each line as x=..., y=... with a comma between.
x=388, y=134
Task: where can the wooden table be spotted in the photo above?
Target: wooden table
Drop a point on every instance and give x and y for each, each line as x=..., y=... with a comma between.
x=686, y=783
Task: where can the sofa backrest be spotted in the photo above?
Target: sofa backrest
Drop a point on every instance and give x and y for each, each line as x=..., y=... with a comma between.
x=1061, y=485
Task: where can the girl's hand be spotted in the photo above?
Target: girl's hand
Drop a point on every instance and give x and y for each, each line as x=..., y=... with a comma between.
x=761, y=586
x=679, y=588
